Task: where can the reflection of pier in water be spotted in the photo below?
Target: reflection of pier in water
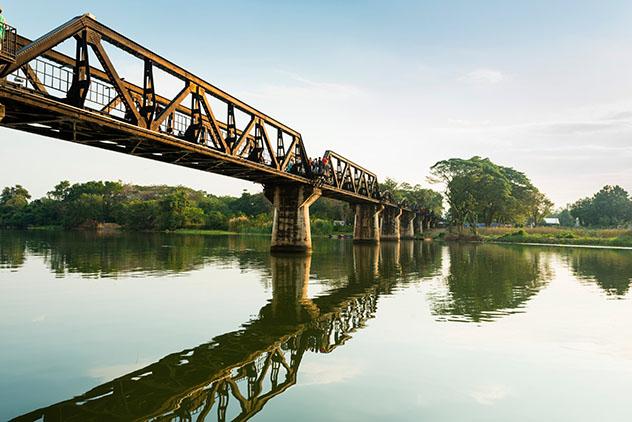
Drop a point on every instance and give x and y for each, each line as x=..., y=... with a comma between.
x=237, y=373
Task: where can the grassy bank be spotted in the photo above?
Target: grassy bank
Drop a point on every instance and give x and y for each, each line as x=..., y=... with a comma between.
x=560, y=236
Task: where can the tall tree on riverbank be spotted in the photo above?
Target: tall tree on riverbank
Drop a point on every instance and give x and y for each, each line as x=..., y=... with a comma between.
x=480, y=191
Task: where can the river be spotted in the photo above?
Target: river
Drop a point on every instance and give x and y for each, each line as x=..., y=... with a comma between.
x=182, y=327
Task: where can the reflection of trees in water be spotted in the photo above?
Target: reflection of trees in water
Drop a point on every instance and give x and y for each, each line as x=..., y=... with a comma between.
x=488, y=281
x=122, y=254
x=112, y=255
x=610, y=269
x=12, y=249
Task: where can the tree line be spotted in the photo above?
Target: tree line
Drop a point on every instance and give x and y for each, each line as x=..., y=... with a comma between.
x=427, y=201
x=159, y=208
x=481, y=192
x=610, y=207
x=86, y=205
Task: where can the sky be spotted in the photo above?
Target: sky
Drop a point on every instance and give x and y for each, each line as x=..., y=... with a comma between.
x=541, y=86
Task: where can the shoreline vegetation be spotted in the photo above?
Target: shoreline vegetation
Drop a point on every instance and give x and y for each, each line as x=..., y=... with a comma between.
x=114, y=206
x=104, y=206
x=565, y=236
x=486, y=202
x=547, y=236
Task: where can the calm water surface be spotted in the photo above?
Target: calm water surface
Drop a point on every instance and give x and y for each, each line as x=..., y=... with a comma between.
x=174, y=327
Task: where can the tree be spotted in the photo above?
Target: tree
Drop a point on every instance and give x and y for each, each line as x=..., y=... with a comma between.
x=479, y=190
x=392, y=187
x=60, y=192
x=474, y=189
x=565, y=217
x=172, y=210
x=13, y=206
x=539, y=206
x=15, y=197
x=610, y=207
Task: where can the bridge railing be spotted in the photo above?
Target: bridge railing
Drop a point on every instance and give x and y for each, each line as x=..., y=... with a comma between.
x=8, y=43
x=342, y=173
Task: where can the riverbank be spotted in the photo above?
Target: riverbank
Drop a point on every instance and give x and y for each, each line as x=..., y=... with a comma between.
x=202, y=232
x=547, y=236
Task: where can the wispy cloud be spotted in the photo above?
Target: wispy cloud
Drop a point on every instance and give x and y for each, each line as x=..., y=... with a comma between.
x=489, y=394
x=484, y=76
x=299, y=86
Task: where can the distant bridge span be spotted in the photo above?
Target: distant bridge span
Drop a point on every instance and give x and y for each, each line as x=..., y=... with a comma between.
x=91, y=102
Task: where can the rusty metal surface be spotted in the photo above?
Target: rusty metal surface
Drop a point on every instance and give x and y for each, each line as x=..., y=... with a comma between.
x=56, y=95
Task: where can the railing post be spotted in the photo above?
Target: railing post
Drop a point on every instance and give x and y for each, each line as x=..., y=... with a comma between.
x=231, y=128
x=149, y=94
x=78, y=91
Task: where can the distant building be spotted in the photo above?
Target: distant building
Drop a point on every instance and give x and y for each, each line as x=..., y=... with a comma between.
x=339, y=223
x=551, y=221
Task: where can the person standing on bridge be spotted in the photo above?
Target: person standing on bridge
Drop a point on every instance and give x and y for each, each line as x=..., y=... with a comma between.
x=2, y=30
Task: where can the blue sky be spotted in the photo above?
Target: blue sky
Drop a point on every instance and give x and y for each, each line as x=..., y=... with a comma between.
x=543, y=86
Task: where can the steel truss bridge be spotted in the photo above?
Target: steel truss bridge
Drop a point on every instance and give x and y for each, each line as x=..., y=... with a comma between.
x=202, y=127
x=86, y=99
x=233, y=376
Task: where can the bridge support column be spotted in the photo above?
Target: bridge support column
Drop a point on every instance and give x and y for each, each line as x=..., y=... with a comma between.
x=419, y=225
x=290, y=229
x=366, y=225
x=391, y=223
x=407, y=225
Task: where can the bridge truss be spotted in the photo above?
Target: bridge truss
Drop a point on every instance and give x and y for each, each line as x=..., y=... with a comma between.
x=88, y=100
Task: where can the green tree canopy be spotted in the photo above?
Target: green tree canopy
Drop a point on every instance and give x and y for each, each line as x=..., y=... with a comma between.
x=480, y=191
x=610, y=207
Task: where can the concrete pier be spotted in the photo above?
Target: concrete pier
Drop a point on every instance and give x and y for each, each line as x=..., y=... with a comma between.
x=391, y=229
x=407, y=225
x=290, y=228
x=419, y=225
x=366, y=225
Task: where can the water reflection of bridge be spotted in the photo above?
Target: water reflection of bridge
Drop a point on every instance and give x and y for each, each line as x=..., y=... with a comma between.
x=237, y=373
